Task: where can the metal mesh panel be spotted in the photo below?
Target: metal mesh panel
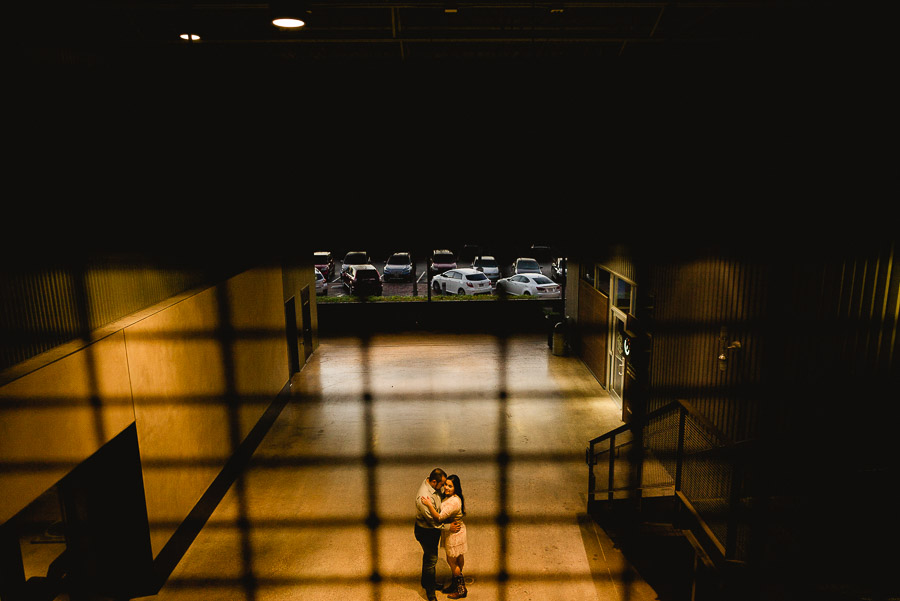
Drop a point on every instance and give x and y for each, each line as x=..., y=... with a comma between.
x=661, y=442
x=706, y=477
x=707, y=465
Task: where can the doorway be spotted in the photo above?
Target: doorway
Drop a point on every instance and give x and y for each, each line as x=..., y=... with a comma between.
x=290, y=320
x=616, y=351
x=306, y=314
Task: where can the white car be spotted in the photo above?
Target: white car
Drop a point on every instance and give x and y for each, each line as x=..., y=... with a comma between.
x=529, y=284
x=321, y=283
x=488, y=266
x=461, y=281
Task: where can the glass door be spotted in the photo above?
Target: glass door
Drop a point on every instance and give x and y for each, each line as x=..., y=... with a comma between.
x=616, y=351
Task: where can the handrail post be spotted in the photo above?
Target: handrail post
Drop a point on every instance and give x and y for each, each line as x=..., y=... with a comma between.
x=679, y=451
x=592, y=482
x=737, y=476
x=612, y=465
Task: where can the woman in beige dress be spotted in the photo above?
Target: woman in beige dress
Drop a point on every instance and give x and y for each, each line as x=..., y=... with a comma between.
x=453, y=508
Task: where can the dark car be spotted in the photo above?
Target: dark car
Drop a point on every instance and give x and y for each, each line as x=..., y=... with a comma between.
x=362, y=280
x=469, y=252
x=441, y=261
x=324, y=262
x=399, y=266
x=541, y=251
x=354, y=257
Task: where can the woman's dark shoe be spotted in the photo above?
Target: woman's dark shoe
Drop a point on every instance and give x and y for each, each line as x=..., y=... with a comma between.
x=451, y=586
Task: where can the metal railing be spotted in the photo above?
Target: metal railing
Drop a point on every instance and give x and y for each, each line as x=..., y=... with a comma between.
x=676, y=451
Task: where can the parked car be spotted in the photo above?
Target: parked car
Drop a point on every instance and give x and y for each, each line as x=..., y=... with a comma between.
x=398, y=266
x=529, y=284
x=461, y=281
x=362, y=280
x=526, y=265
x=541, y=251
x=321, y=283
x=441, y=261
x=558, y=269
x=487, y=265
x=354, y=257
x=469, y=252
x=324, y=262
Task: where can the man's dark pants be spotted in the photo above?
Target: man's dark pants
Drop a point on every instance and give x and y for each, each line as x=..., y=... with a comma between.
x=430, y=539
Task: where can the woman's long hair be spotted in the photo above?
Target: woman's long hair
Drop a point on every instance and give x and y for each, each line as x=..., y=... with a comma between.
x=458, y=488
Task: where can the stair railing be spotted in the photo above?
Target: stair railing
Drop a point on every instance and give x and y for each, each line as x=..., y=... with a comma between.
x=676, y=451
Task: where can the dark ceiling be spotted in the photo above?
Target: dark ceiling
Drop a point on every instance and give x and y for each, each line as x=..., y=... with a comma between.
x=239, y=32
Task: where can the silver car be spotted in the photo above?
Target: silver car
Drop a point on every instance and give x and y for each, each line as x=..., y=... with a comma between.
x=487, y=265
x=526, y=265
x=321, y=283
x=529, y=284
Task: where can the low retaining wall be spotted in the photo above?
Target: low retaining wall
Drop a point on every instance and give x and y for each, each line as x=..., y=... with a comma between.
x=493, y=317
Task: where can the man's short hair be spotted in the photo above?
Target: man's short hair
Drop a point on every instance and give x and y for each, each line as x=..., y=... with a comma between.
x=437, y=474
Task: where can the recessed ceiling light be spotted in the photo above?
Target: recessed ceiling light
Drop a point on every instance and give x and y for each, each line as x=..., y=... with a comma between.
x=192, y=37
x=287, y=22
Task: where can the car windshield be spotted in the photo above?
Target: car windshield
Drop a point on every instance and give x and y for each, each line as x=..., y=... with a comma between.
x=355, y=258
x=443, y=258
x=476, y=277
x=398, y=260
x=367, y=274
x=542, y=280
x=485, y=263
x=528, y=264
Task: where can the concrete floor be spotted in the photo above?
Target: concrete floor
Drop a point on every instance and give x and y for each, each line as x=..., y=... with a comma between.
x=325, y=510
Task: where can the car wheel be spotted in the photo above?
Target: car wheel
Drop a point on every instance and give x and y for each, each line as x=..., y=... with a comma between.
x=461, y=292
x=437, y=288
x=526, y=293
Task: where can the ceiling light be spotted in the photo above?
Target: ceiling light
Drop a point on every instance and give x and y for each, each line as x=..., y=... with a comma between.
x=192, y=37
x=288, y=22
x=289, y=14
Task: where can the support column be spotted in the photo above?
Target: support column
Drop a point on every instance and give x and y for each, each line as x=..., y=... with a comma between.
x=12, y=570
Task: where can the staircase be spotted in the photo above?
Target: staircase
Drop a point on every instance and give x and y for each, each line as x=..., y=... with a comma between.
x=669, y=491
x=705, y=519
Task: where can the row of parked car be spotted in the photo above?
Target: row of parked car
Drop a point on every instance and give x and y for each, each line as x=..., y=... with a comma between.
x=360, y=277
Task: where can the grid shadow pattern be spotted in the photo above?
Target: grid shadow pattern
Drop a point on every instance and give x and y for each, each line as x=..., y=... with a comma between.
x=245, y=579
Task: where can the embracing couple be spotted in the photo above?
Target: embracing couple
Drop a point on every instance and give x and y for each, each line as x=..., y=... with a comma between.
x=440, y=507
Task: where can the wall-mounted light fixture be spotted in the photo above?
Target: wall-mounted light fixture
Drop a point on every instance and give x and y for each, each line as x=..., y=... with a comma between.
x=190, y=37
x=289, y=14
x=725, y=347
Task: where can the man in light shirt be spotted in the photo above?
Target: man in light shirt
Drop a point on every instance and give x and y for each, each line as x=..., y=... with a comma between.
x=428, y=530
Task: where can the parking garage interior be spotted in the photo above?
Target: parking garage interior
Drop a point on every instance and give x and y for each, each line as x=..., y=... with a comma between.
x=205, y=427
x=181, y=416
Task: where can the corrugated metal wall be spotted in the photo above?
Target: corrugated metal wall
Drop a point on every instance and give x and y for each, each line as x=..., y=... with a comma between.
x=619, y=261
x=41, y=308
x=593, y=322
x=842, y=314
x=696, y=304
x=815, y=329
